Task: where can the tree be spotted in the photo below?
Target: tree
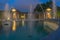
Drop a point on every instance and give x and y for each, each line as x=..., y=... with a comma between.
x=49, y=4
x=38, y=8
x=41, y=7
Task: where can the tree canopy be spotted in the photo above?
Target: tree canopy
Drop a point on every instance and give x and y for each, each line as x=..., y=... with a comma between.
x=41, y=7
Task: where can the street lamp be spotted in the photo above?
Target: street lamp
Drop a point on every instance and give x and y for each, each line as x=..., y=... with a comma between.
x=48, y=9
x=13, y=10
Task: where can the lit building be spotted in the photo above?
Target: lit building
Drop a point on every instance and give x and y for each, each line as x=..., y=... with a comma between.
x=24, y=15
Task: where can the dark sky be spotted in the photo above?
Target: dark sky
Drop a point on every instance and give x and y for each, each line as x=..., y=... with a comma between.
x=23, y=5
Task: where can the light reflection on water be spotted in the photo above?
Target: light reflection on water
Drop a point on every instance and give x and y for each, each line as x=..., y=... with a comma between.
x=21, y=32
x=22, y=22
x=14, y=25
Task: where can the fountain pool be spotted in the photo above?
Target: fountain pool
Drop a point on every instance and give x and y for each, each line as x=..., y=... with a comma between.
x=23, y=32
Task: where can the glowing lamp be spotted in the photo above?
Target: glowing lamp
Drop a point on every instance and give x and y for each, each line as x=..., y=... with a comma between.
x=22, y=16
x=8, y=18
x=48, y=9
x=13, y=10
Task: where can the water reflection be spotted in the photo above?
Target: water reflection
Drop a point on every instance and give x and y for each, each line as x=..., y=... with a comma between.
x=23, y=32
x=14, y=25
x=22, y=22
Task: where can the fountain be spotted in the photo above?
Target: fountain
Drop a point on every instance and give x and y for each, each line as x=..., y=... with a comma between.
x=6, y=24
x=54, y=9
x=30, y=20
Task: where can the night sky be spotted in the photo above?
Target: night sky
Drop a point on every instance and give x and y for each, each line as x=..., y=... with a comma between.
x=23, y=5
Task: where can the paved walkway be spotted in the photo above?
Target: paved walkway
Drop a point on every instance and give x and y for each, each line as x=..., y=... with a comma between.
x=54, y=35
x=52, y=25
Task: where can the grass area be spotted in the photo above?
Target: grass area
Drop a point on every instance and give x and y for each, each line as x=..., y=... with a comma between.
x=58, y=13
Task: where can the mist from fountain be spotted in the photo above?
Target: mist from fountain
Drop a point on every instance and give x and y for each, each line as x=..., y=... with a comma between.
x=54, y=9
x=30, y=20
x=6, y=24
x=6, y=13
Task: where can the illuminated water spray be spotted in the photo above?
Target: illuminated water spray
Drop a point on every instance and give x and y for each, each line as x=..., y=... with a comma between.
x=6, y=16
x=54, y=9
x=30, y=20
x=6, y=13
